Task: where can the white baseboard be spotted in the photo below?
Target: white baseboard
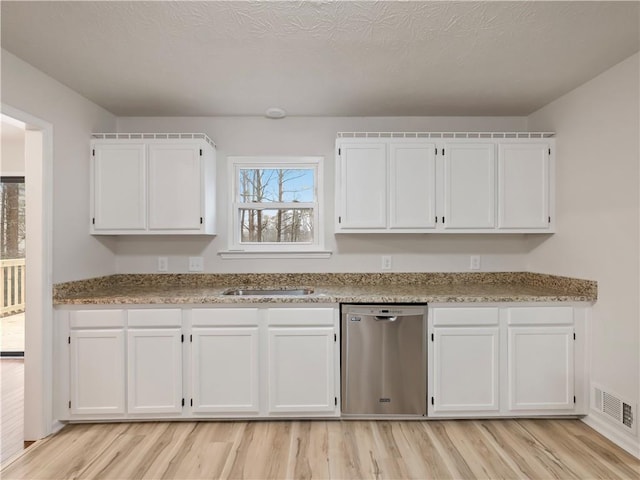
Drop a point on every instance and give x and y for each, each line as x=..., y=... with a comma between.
x=622, y=439
x=57, y=426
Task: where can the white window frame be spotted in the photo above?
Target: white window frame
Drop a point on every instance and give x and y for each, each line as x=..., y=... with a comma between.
x=274, y=249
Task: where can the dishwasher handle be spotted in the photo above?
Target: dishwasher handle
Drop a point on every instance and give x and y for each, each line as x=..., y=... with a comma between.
x=380, y=318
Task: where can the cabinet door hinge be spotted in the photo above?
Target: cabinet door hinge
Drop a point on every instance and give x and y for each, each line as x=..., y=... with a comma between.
x=69, y=404
x=432, y=401
x=183, y=402
x=335, y=401
x=69, y=340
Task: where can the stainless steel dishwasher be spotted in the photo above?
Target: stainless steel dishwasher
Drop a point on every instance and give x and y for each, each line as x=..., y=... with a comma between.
x=384, y=360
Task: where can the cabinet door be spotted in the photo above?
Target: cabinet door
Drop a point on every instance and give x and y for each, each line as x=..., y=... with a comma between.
x=154, y=370
x=412, y=185
x=541, y=368
x=466, y=369
x=301, y=370
x=225, y=370
x=119, y=187
x=363, y=186
x=469, y=190
x=175, y=187
x=523, y=186
x=97, y=372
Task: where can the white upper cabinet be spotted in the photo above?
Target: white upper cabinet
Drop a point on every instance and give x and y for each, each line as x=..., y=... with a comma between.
x=362, y=186
x=444, y=182
x=385, y=186
x=152, y=184
x=175, y=187
x=119, y=187
x=523, y=186
x=412, y=185
x=469, y=186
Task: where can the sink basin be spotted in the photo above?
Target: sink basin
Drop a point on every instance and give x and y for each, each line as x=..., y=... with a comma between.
x=270, y=292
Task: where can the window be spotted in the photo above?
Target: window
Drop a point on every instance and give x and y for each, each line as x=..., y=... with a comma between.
x=276, y=204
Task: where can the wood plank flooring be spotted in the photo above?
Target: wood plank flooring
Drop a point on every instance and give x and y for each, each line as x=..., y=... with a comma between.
x=466, y=449
x=11, y=407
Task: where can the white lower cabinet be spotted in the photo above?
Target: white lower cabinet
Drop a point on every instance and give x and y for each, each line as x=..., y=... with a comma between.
x=466, y=369
x=541, y=359
x=173, y=363
x=96, y=355
x=225, y=361
x=465, y=360
x=303, y=353
x=154, y=361
x=505, y=361
x=97, y=371
x=301, y=369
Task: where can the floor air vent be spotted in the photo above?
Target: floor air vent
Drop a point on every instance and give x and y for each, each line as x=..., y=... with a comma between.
x=613, y=406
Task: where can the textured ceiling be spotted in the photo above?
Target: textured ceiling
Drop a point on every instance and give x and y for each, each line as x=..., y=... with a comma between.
x=321, y=58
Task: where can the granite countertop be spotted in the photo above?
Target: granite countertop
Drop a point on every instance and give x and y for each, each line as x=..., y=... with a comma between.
x=327, y=288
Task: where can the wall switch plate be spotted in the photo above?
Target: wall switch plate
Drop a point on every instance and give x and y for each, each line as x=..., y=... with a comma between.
x=474, y=263
x=196, y=264
x=163, y=264
x=386, y=262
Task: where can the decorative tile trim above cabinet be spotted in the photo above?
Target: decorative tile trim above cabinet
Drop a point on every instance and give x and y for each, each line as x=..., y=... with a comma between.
x=149, y=184
x=434, y=182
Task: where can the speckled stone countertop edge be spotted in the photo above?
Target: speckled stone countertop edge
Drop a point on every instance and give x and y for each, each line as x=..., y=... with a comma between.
x=329, y=288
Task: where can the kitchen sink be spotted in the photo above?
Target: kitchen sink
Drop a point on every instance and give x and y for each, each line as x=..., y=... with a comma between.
x=268, y=291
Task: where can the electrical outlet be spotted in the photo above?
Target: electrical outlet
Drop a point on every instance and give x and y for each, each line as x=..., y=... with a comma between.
x=386, y=262
x=196, y=264
x=474, y=263
x=163, y=264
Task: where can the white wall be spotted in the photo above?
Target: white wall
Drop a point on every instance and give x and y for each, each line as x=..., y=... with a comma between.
x=11, y=150
x=598, y=214
x=76, y=254
x=316, y=136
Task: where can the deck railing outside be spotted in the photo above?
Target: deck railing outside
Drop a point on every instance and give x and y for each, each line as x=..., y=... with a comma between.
x=12, y=292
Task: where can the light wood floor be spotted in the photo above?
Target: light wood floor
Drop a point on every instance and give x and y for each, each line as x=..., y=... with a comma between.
x=327, y=449
x=11, y=407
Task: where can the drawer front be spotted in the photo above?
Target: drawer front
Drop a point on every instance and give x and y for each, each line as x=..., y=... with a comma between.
x=301, y=316
x=96, y=318
x=156, y=317
x=540, y=316
x=224, y=317
x=465, y=316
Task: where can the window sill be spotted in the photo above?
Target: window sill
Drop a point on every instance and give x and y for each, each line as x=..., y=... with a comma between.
x=236, y=254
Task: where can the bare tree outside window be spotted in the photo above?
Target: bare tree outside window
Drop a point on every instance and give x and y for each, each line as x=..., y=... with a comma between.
x=274, y=205
x=12, y=216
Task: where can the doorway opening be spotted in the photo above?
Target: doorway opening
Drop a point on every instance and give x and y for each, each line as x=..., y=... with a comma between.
x=36, y=379
x=12, y=283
